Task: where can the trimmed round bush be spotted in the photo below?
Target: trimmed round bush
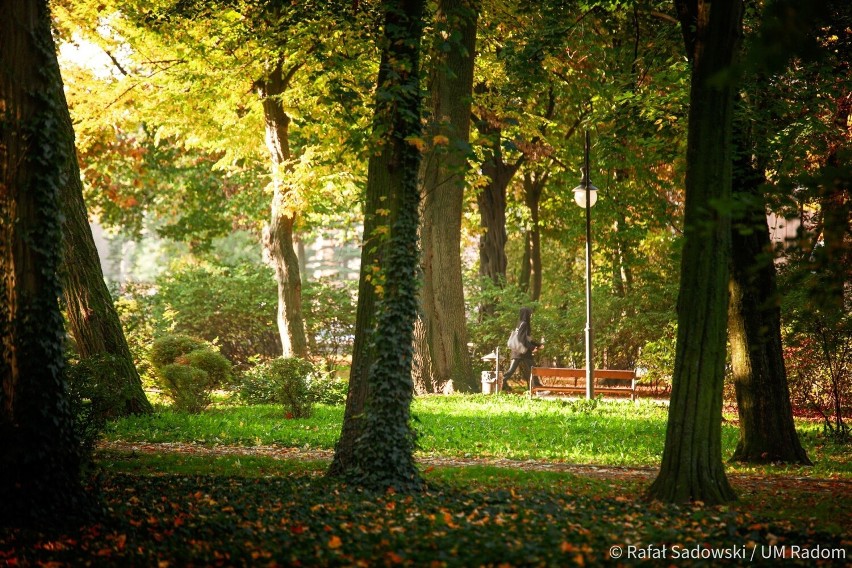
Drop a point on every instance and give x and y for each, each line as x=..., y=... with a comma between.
x=188, y=370
x=168, y=348
x=187, y=386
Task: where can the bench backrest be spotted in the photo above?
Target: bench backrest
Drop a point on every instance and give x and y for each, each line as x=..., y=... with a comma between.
x=562, y=372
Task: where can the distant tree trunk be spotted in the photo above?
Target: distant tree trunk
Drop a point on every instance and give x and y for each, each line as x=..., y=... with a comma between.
x=444, y=322
x=278, y=235
x=692, y=467
x=40, y=477
x=492, y=208
x=91, y=313
x=533, y=189
x=376, y=446
x=767, y=431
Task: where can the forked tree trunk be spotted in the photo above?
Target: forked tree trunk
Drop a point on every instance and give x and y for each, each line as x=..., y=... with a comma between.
x=767, y=431
x=278, y=235
x=40, y=476
x=692, y=468
x=443, y=322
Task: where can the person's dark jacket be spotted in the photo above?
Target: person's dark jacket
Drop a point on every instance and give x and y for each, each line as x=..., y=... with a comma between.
x=525, y=335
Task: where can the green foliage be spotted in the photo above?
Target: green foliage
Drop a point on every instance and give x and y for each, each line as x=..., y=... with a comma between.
x=233, y=306
x=168, y=348
x=188, y=387
x=134, y=307
x=285, y=381
x=329, y=309
x=325, y=388
x=94, y=394
x=217, y=367
x=188, y=370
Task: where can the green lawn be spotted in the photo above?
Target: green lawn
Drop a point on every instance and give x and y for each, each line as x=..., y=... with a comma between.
x=605, y=433
x=210, y=509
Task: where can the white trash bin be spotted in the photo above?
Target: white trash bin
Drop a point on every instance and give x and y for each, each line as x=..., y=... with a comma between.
x=489, y=382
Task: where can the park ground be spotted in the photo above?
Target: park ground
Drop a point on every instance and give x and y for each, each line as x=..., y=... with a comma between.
x=261, y=497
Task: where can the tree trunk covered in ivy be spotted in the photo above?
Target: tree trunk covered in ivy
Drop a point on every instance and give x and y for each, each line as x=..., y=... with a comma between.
x=376, y=446
x=444, y=323
x=692, y=467
x=278, y=235
x=40, y=478
x=767, y=431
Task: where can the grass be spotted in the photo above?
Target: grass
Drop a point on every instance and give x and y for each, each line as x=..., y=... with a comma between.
x=206, y=509
x=607, y=433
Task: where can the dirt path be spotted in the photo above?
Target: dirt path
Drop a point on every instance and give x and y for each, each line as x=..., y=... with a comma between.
x=835, y=488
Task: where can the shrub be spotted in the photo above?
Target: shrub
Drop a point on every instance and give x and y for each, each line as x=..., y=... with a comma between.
x=217, y=367
x=234, y=305
x=285, y=381
x=329, y=308
x=168, y=348
x=188, y=370
x=325, y=388
x=93, y=393
x=188, y=387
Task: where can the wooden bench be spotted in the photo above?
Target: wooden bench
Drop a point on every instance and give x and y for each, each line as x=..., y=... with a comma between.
x=562, y=380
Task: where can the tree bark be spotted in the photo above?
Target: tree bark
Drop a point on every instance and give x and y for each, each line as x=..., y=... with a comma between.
x=692, y=467
x=767, y=431
x=40, y=476
x=492, y=208
x=91, y=313
x=443, y=319
x=278, y=234
x=376, y=446
x=533, y=189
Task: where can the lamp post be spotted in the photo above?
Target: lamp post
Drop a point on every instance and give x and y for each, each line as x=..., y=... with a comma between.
x=585, y=195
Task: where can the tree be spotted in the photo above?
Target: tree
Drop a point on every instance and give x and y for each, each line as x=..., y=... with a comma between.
x=278, y=235
x=441, y=352
x=40, y=478
x=692, y=466
x=200, y=63
x=767, y=431
x=375, y=449
x=91, y=313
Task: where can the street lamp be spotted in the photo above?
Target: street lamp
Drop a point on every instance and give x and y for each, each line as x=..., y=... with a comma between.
x=585, y=195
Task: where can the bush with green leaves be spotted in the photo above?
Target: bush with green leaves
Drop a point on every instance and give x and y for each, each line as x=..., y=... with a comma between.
x=235, y=306
x=133, y=304
x=285, y=381
x=329, y=308
x=189, y=370
x=326, y=388
x=94, y=394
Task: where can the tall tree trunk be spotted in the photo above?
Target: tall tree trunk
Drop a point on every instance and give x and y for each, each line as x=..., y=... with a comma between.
x=278, y=235
x=533, y=188
x=40, y=477
x=91, y=313
x=767, y=431
x=492, y=209
x=376, y=446
x=443, y=319
x=692, y=467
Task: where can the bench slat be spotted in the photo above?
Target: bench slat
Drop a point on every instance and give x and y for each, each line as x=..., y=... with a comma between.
x=544, y=373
